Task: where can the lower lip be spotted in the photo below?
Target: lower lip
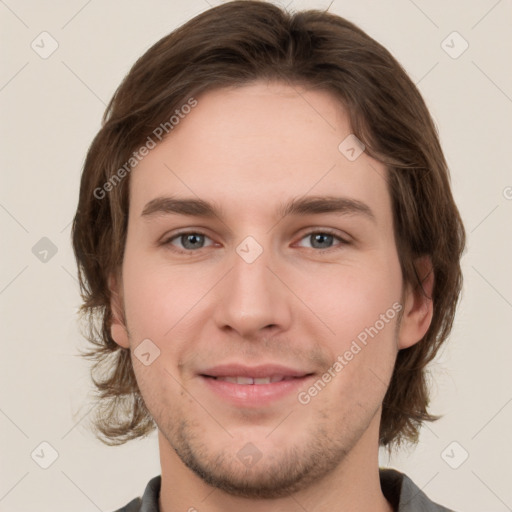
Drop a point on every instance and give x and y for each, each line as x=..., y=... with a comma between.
x=255, y=395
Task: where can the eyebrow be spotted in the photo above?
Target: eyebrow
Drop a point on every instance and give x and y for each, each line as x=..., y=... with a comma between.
x=305, y=205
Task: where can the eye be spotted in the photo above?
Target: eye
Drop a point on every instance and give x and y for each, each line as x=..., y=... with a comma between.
x=189, y=241
x=322, y=240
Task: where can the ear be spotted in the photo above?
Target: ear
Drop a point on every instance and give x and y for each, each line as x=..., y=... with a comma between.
x=118, y=329
x=418, y=305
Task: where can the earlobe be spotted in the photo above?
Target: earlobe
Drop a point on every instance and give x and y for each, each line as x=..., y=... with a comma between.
x=118, y=329
x=418, y=305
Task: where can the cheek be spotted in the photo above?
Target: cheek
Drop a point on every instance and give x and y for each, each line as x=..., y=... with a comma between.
x=157, y=296
x=351, y=298
x=347, y=298
x=361, y=306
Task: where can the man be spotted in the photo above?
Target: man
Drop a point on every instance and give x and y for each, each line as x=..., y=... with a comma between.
x=267, y=237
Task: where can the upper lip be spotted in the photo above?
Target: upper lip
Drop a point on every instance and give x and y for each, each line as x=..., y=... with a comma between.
x=260, y=371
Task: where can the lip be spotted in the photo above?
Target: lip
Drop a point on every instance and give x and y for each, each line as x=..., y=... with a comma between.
x=254, y=395
x=263, y=370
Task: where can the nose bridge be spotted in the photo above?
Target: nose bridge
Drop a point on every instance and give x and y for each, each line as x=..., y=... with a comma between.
x=252, y=297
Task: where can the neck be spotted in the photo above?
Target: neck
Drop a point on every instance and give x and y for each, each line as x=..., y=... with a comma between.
x=354, y=485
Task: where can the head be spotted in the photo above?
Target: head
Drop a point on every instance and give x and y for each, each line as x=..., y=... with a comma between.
x=246, y=108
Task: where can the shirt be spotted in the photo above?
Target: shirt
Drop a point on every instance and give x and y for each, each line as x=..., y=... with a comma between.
x=403, y=494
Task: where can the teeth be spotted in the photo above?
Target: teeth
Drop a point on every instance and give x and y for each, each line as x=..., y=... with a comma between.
x=244, y=380
x=251, y=380
x=263, y=380
x=228, y=379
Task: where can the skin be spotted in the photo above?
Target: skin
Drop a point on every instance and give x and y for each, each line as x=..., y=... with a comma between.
x=248, y=150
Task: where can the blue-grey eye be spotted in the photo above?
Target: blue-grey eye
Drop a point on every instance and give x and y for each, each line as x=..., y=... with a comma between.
x=321, y=240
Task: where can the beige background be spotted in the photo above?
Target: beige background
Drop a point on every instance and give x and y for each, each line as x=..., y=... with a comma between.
x=50, y=111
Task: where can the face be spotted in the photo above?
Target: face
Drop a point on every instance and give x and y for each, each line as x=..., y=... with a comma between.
x=262, y=278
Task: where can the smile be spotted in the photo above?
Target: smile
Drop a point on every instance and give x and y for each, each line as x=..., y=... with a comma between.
x=254, y=380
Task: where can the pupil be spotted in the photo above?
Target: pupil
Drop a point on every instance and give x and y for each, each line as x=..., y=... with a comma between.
x=192, y=241
x=323, y=239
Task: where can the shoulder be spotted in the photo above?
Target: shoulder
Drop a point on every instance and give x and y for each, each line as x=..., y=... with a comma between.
x=405, y=495
x=133, y=506
x=149, y=500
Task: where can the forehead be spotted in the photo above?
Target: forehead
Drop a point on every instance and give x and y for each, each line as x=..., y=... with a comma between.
x=252, y=146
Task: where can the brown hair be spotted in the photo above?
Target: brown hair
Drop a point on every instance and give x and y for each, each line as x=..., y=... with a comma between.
x=234, y=44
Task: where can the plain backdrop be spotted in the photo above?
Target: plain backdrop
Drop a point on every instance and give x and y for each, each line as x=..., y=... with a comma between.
x=51, y=109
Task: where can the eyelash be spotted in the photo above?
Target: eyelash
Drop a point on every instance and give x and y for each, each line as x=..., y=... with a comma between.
x=327, y=231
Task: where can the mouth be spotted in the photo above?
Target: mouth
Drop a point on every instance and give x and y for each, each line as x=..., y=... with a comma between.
x=252, y=387
x=258, y=381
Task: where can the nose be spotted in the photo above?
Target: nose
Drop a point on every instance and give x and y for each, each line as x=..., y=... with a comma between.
x=252, y=300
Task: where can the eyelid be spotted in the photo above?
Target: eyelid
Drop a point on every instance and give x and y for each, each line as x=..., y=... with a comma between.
x=167, y=239
x=343, y=240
